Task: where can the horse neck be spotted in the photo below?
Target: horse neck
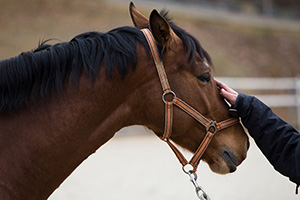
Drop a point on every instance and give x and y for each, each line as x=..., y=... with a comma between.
x=42, y=144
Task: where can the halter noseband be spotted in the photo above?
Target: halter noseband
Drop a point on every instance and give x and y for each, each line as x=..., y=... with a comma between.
x=212, y=127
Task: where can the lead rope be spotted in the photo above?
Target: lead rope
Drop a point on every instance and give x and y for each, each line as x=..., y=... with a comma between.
x=190, y=167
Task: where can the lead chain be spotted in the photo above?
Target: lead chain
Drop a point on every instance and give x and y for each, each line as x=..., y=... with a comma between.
x=201, y=194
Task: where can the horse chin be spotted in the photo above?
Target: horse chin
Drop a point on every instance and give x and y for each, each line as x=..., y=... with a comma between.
x=222, y=168
x=225, y=163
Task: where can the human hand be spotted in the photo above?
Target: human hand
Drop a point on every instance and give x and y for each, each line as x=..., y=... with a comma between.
x=228, y=93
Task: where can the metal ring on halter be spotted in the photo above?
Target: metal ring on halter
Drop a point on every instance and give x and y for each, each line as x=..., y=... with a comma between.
x=212, y=125
x=168, y=92
x=188, y=168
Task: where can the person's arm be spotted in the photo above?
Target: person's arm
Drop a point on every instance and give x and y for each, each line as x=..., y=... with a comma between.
x=278, y=140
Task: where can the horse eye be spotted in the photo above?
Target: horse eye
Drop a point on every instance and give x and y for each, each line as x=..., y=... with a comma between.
x=204, y=77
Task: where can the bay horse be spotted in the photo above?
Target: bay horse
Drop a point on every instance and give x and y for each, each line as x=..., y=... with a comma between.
x=60, y=103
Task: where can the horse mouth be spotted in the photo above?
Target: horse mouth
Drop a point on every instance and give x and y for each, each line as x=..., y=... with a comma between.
x=231, y=160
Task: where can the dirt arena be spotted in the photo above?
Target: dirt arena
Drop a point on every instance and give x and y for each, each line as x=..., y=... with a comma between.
x=140, y=166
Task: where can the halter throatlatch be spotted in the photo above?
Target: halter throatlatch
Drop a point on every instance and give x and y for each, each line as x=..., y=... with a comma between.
x=212, y=127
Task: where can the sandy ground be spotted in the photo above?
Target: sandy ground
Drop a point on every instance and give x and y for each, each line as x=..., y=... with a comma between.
x=140, y=166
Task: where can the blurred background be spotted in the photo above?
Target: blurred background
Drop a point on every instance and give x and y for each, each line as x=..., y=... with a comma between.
x=255, y=47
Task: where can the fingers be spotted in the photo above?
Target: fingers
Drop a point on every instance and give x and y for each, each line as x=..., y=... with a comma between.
x=223, y=85
x=219, y=83
x=230, y=96
x=227, y=92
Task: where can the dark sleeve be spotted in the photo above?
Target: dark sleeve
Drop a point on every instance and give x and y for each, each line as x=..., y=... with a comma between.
x=278, y=140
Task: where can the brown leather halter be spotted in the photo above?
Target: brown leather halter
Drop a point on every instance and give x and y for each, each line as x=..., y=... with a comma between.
x=212, y=127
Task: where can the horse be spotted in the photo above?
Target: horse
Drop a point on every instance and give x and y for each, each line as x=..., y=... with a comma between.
x=60, y=103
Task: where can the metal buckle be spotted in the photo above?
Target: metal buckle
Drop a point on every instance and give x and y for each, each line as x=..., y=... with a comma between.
x=213, y=124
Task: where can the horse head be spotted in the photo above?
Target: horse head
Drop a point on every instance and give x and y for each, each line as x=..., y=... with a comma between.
x=190, y=76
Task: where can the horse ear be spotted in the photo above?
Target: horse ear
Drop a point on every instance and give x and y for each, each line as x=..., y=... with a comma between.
x=137, y=18
x=161, y=30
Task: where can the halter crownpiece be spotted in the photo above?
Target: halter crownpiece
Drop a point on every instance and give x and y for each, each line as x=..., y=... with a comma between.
x=212, y=127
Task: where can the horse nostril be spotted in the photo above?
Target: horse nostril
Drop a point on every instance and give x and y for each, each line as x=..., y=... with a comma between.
x=248, y=145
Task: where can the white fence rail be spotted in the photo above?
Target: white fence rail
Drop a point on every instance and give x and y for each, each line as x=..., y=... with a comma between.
x=290, y=88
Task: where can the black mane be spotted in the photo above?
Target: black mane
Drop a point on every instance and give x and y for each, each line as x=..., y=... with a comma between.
x=44, y=71
x=192, y=45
